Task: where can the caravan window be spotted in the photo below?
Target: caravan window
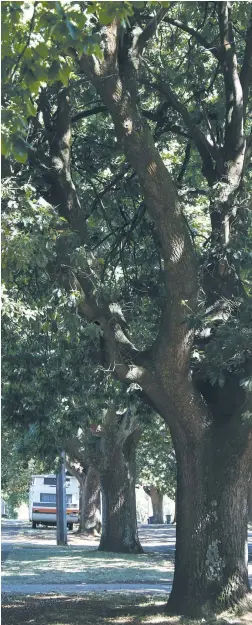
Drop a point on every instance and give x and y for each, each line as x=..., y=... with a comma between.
x=51, y=498
x=46, y=497
x=50, y=481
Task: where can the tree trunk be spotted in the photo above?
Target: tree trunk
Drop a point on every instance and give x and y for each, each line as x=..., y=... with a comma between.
x=82, y=482
x=175, y=511
x=119, y=524
x=90, y=517
x=250, y=500
x=211, y=533
x=157, y=505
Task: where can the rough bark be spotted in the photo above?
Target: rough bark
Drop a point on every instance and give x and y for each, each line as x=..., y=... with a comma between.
x=118, y=479
x=211, y=566
x=90, y=516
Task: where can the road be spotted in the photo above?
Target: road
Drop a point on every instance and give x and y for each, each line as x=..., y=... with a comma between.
x=160, y=538
x=153, y=539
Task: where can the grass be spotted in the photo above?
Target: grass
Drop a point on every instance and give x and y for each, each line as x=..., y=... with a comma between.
x=78, y=565
x=101, y=610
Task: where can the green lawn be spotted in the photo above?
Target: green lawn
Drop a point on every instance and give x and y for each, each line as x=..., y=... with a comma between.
x=101, y=610
x=78, y=565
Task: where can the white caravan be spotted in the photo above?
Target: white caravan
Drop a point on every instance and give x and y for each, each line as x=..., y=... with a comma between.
x=42, y=500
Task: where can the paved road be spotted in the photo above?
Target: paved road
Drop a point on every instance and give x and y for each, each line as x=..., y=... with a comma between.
x=160, y=538
x=79, y=589
x=9, y=531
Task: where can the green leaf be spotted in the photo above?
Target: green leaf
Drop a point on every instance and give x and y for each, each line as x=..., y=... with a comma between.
x=72, y=29
x=42, y=50
x=59, y=9
x=20, y=151
x=31, y=108
x=4, y=145
x=53, y=72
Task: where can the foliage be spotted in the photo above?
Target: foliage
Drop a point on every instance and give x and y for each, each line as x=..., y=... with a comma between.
x=50, y=347
x=16, y=470
x=156, y=463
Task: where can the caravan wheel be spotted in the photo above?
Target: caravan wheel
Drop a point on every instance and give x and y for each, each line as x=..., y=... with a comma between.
x=34, y=525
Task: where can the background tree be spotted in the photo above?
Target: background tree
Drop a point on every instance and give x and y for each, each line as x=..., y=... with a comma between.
x=156, y=465
x=16, y=470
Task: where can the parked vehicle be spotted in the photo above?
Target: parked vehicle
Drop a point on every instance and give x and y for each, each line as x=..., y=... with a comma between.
x=42, y=500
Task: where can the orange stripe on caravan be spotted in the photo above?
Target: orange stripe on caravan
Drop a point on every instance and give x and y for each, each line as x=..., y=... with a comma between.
x=53, y=510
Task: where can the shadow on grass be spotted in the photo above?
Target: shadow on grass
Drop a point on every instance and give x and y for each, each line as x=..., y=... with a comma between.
x=48, y=610
x=98, y=610
x=75, y=565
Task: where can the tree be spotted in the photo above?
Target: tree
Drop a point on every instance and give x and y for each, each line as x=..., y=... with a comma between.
x=46, y=353
x=110, y=448
x=195, y=368
x=89, y=481
x=16, y=469
x=156, y=465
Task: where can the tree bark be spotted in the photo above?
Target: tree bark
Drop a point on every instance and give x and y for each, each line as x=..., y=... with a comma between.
x=211, y=567
x=90, y=516
x=175, y=511
x=118, y=479
x=157, y=505
x=250, y=500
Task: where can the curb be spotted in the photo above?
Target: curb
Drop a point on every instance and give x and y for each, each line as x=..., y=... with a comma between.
x=76, y=589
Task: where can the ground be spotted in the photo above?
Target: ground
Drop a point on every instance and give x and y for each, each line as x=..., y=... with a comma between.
x=48, y=585
x=100, y=610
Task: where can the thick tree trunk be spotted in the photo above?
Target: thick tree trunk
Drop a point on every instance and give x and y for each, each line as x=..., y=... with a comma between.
x=211, y=533
x=90, y=517
x=157, y=505
x=119, y=524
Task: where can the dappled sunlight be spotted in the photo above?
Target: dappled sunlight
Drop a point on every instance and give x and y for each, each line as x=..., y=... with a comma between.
x=68, y=565
x=109, y=609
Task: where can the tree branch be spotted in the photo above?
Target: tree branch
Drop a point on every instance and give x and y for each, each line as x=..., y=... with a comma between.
x=162, y=204
x=75, y=472
x=246, y=70
x=194, y=33
x=119, y=176
x=234, y=131
x=27, y=42
x=149, y=31
x=83, y=114
x=185, y=163
x=206, y=149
